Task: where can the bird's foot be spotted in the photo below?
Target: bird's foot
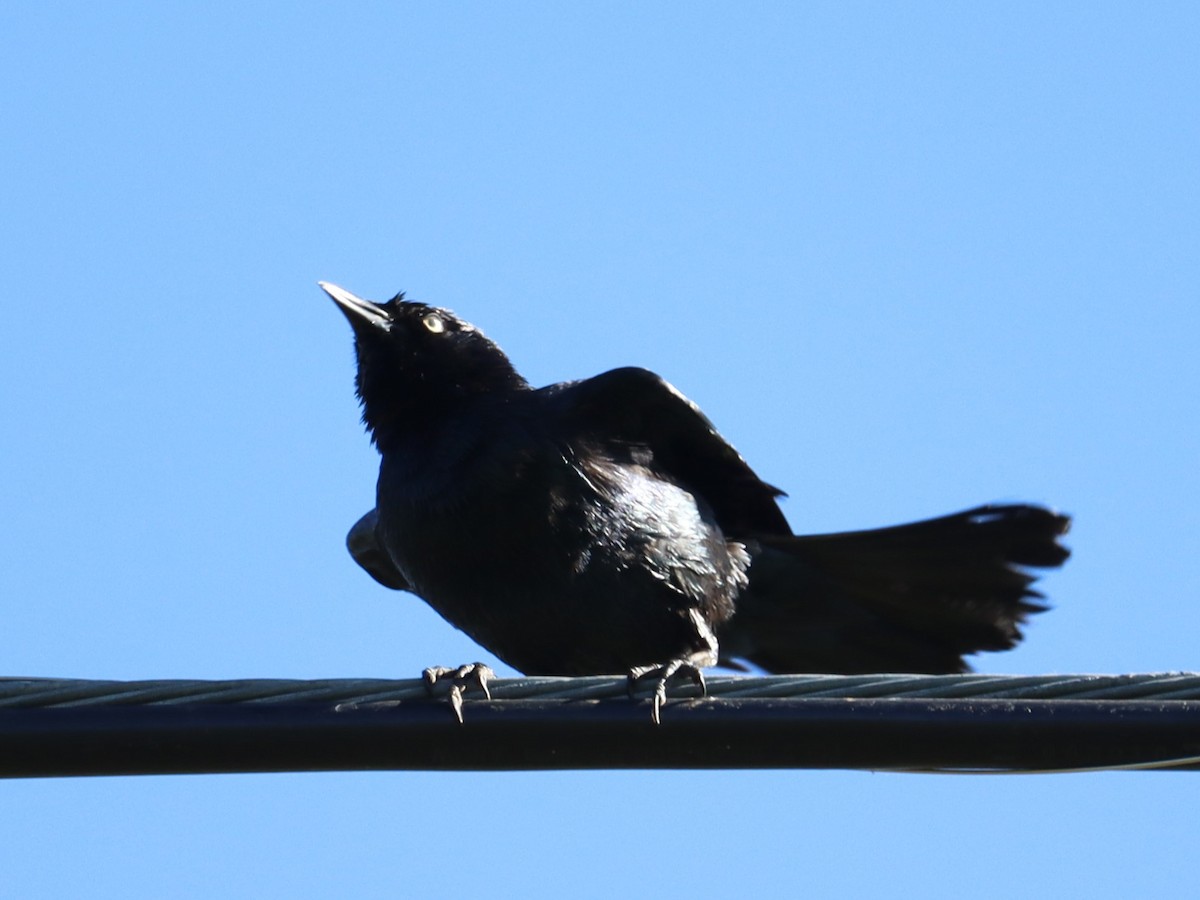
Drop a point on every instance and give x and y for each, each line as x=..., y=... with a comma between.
x=676, y=669
x=458, y=681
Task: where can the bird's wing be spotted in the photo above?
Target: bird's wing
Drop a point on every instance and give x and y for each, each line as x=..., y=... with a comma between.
x=363, y=544
x=636, y=407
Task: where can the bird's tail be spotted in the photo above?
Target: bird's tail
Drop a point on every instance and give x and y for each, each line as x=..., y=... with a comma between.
x=911, y=598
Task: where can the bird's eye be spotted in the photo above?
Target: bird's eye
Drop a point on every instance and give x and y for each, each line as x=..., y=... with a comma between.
x=434, y=323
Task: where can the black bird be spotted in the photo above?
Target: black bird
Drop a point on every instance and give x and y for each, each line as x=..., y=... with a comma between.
x=604, y=526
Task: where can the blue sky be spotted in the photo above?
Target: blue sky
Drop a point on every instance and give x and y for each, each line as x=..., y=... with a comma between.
x=908, y=258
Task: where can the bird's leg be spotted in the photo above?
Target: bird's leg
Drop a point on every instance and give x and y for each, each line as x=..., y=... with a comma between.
x=459, y=680
x=684, y=667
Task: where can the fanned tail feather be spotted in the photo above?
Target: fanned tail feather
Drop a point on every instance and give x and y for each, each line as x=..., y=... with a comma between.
x=909, y=598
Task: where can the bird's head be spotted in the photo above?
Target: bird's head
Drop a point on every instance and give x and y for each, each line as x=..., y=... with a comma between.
x=418, y=362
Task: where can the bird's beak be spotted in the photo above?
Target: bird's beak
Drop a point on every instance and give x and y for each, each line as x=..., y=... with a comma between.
x=361, y=313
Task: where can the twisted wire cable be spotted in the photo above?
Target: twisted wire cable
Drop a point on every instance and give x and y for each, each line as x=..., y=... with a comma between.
x=903, y=723
x=76, y=692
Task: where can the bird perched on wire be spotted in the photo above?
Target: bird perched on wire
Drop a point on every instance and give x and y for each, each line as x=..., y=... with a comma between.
x=605, y=526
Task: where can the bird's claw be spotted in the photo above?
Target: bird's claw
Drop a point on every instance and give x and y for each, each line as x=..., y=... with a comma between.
x=675, y=669
x=460, y=680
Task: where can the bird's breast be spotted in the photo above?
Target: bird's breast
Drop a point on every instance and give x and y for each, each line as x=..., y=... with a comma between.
x=558, y=560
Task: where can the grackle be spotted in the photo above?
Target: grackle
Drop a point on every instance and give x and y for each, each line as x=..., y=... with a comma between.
x=605, y=526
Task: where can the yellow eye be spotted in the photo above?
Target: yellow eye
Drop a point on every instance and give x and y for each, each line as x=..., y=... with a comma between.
x=434, y=323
